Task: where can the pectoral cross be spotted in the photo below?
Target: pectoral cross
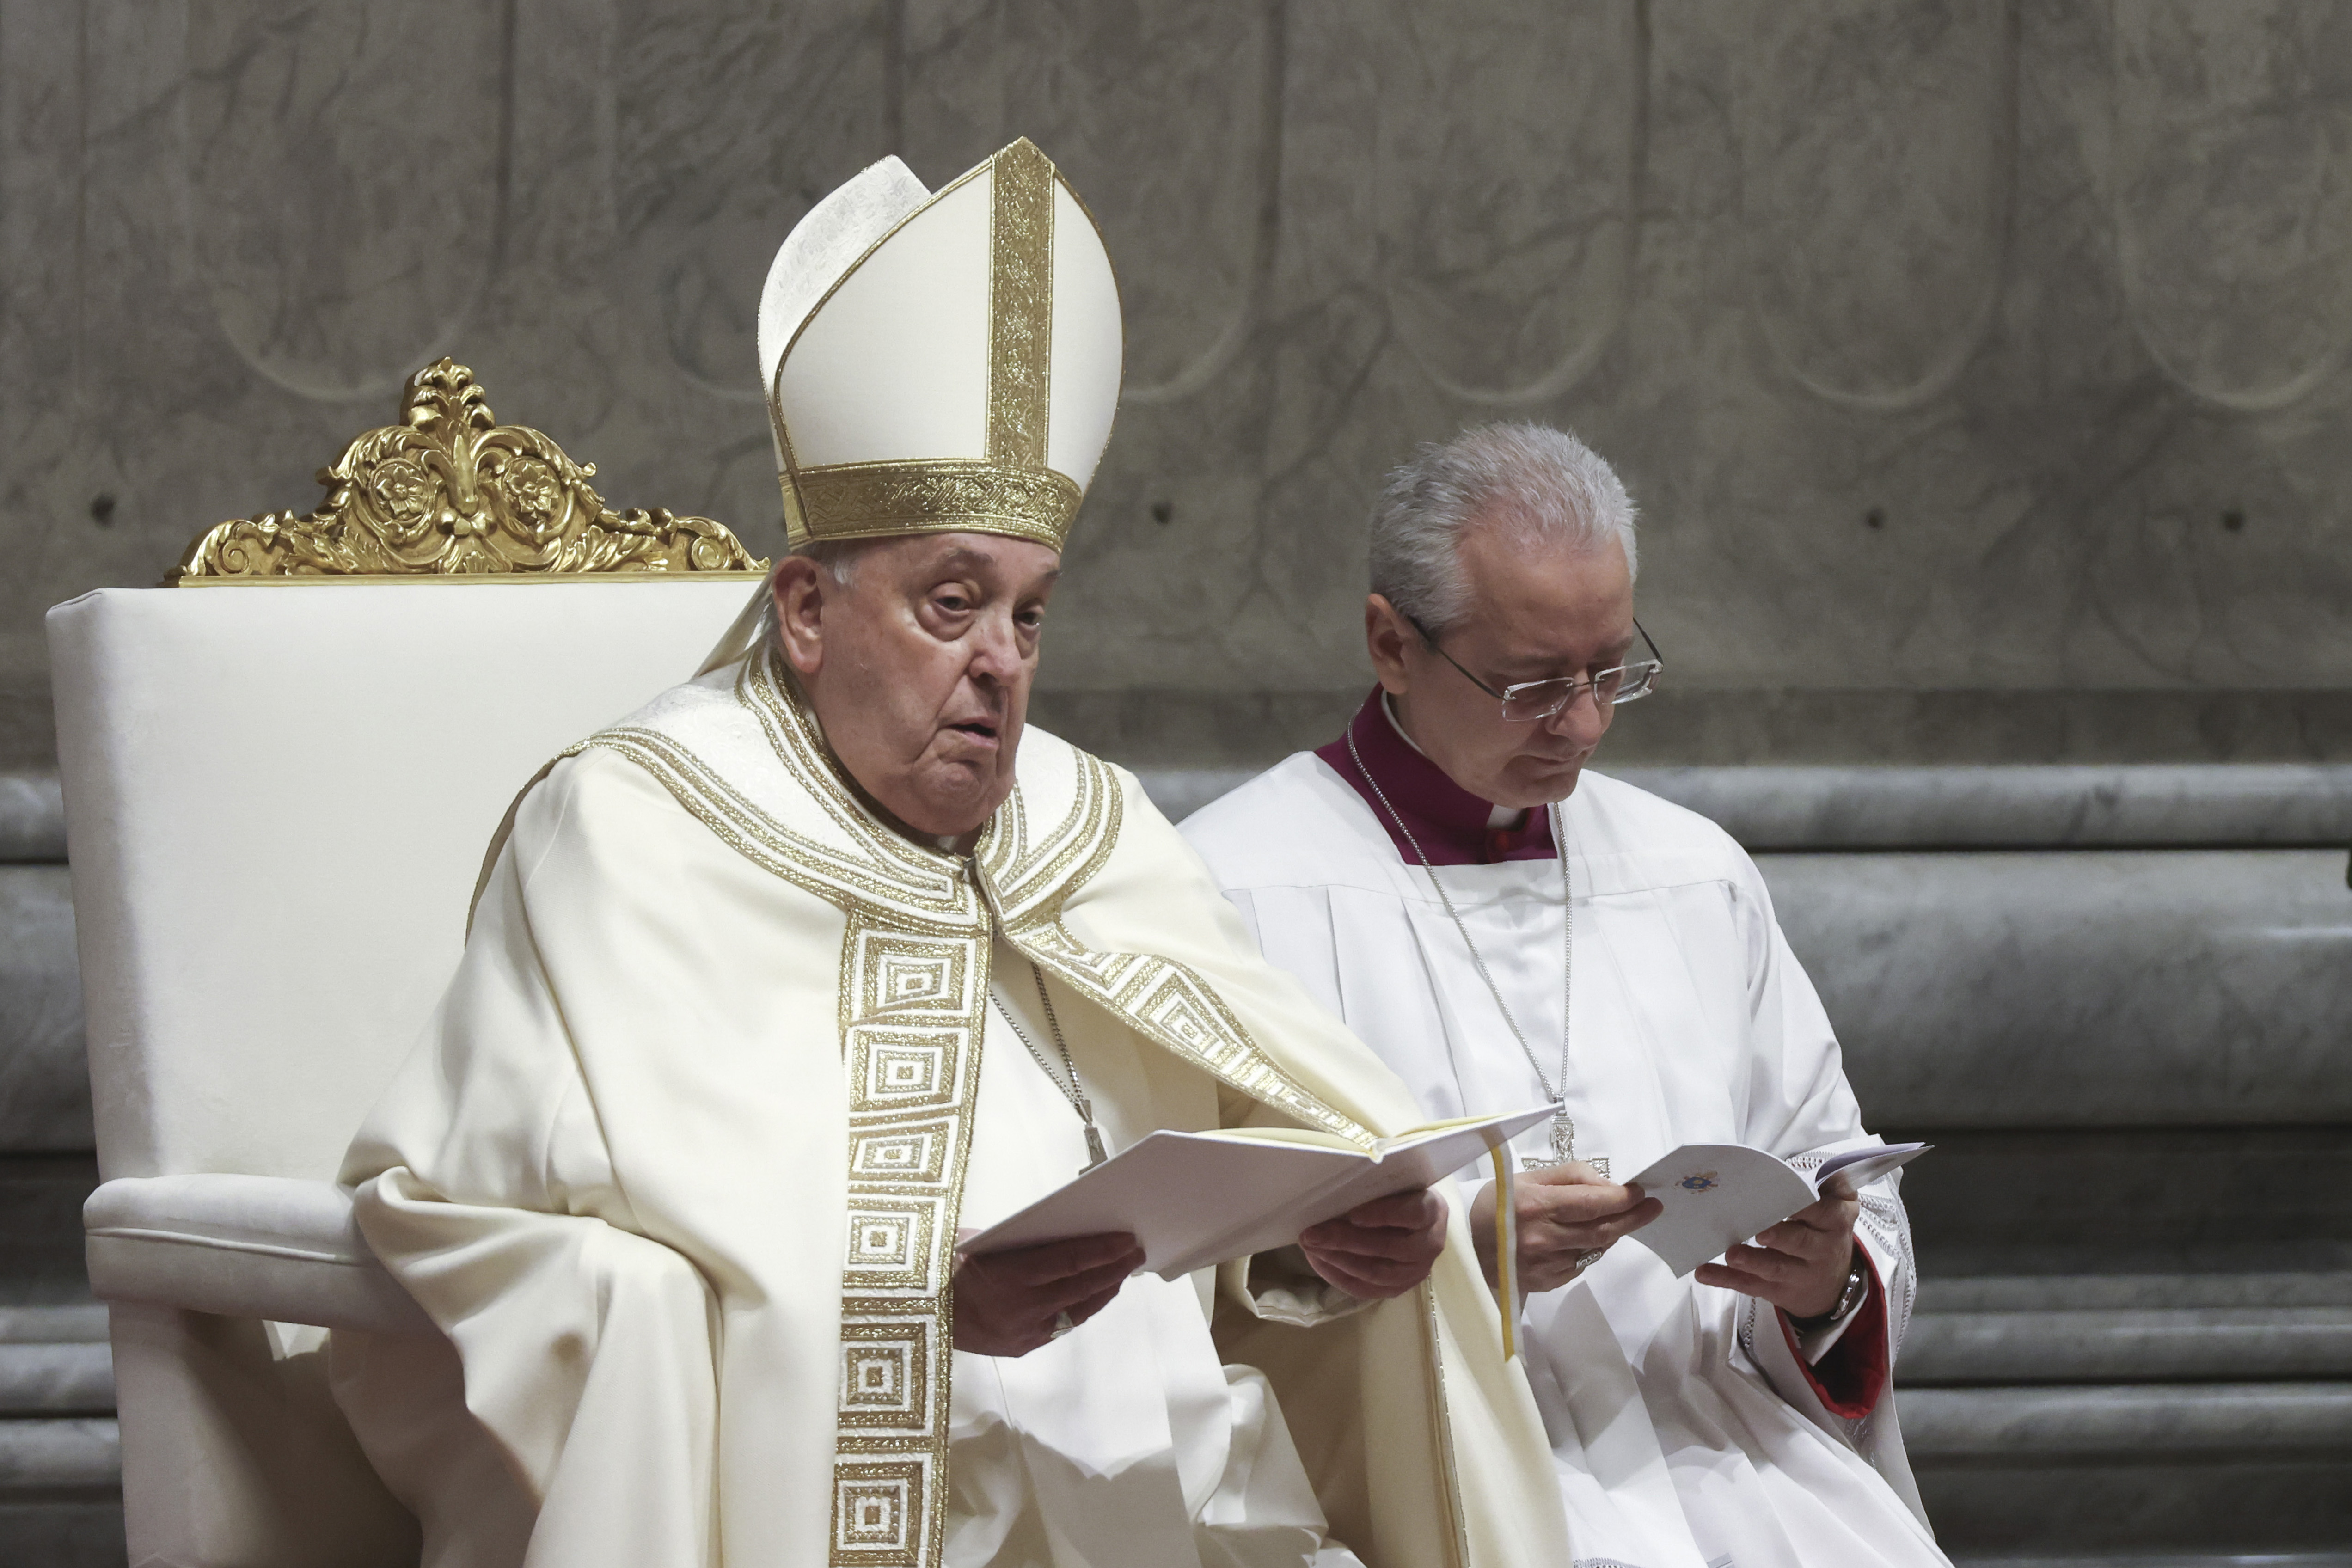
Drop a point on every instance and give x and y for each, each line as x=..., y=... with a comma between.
x=1563, y=1149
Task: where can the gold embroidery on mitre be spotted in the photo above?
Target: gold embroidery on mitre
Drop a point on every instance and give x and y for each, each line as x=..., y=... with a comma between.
x=877, y=500
x=1020, y=305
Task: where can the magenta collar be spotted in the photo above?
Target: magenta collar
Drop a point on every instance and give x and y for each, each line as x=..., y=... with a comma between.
x=1447, y=821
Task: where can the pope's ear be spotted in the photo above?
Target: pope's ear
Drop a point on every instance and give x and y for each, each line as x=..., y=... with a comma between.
x=799, y=589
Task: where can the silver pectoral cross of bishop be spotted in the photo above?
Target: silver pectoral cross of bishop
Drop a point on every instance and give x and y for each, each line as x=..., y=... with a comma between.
x=1563, y=1149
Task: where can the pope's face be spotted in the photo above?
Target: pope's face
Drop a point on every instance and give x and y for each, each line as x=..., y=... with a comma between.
x=1534, y=615
x=919, y=667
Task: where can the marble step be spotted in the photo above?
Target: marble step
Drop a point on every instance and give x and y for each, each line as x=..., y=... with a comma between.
x=2129, y=1422
x=2128, y=1329
x=2124, y=1292
x=56, y=1379
x=63, y=1534
x=44, y=1078
x=2240, y=1342
x=2164, y=1560
x=32, y=815
x=2000, y=1348
x=55, y=1362
x=60, y=1455
x=2236, y=1471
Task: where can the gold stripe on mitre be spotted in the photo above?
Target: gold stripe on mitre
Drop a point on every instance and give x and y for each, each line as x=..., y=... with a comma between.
x=1020, y=306
x=1011, y=490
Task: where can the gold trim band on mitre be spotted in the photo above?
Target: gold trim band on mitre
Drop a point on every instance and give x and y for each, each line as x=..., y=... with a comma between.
x=886, y=500
x=1020, y=305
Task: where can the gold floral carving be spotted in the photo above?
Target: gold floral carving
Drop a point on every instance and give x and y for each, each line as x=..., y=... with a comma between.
x=450, y=492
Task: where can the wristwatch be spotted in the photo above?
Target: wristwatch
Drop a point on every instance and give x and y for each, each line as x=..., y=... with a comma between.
x=1857, y=1286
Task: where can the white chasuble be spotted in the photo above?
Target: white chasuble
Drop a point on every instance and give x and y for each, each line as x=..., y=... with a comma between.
x=1125, y=1441
x=1685, y=1431
x=680, y=1164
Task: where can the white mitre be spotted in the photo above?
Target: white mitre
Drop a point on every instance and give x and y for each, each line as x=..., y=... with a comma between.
x=940, y=364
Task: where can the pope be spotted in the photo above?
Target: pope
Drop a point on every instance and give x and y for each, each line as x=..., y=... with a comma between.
x=781, y=985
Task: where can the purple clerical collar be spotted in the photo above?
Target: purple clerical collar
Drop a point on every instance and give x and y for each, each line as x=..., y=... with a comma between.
x=1446, y=820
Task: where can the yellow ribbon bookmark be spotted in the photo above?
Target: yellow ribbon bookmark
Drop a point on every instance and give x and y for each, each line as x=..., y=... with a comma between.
x=1506, y=1249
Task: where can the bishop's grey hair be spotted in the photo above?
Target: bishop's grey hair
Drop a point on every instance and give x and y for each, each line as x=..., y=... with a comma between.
x=1543, y=484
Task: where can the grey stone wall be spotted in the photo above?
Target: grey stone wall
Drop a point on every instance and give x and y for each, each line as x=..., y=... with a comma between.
x=1978, y=365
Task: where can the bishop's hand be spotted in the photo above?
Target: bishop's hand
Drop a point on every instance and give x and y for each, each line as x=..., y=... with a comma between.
x=1799, y=1265
x=1009, y=1303
x=1563, y=1214
x=1381, y=1248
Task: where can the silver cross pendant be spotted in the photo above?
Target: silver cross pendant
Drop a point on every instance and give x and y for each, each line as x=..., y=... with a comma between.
x=1563, y=1150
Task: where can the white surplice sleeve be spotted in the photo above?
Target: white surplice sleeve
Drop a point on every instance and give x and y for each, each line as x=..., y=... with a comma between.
x=484, y=1181
x=1800, y=1107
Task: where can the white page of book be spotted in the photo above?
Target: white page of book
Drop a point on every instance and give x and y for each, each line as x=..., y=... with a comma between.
x=1717, y=1195
x=1191, y=1199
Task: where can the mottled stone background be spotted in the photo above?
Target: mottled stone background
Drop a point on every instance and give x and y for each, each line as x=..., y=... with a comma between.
x=1979, y=366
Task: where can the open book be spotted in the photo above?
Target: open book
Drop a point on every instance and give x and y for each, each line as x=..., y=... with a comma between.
x=1191, y=1199
x=1720, y=1195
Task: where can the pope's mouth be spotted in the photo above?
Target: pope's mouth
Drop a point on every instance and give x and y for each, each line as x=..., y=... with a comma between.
x=978, y=731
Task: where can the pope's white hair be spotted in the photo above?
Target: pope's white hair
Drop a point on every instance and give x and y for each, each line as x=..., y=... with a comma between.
x=836, y=558
x=1544, y=486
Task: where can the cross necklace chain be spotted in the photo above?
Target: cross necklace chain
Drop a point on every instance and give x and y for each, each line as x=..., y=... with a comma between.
x=1069, y=1087
x=1563, y=1128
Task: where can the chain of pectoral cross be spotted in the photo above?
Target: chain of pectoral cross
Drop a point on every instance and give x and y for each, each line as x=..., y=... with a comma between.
x=1563, y=1128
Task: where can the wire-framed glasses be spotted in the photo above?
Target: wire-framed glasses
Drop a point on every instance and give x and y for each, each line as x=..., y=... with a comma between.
x=1529, y=701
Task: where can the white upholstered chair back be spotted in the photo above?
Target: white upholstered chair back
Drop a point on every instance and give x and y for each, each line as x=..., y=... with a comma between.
x=277, y=802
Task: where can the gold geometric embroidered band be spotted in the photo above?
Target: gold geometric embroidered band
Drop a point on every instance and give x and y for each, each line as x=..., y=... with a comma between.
x=878, y=500
x=912, y=1006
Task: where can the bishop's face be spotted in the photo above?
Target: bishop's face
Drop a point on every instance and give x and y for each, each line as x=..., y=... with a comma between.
x=919, y=667
x=1533, y=615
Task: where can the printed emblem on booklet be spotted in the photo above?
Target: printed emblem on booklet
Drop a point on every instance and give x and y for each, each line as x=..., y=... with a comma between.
x=1717, y=1195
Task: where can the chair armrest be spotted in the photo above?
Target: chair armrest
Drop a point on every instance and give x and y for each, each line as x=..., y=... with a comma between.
x=244, y=1246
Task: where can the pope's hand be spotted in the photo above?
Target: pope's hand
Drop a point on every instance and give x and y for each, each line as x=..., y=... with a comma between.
x=1381, y=1248
x=1799, y=1265
x=1009, y=1303
x=1563, y=1214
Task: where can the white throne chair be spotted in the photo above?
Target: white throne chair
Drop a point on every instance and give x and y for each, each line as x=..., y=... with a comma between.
x=281, y=770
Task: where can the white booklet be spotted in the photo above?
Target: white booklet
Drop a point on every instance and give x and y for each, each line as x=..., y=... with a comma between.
x=1720, y=1195
x=1193, y=1199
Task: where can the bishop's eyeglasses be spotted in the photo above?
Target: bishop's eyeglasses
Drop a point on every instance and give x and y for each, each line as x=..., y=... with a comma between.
x=1529, y=701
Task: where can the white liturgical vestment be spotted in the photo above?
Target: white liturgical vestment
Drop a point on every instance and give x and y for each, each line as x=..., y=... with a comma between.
x=681, y=1165
x=1685, y=1429
x=1127, y=1434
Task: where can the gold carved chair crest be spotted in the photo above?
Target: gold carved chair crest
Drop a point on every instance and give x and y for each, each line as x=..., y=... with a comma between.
x=451, y=492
